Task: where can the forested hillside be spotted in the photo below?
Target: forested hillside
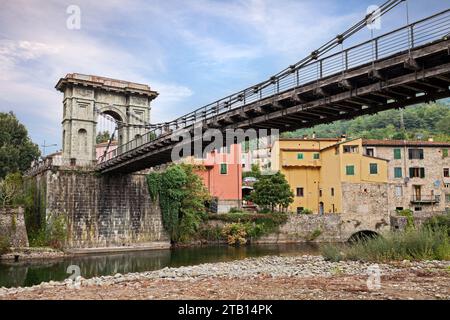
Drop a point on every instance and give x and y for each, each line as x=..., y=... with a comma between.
x=420, y=122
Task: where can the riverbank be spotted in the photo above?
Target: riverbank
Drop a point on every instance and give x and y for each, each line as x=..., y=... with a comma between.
x=33, y=253
x=270, y=277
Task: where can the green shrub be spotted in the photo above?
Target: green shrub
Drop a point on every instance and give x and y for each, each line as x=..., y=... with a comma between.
x=439, y=222
x=306, y=211
x=210, y=233
x=182, y=197
x=52, y=234
x=4, y=244
x=409, y=217
x=421, y=244
x=314, y=235
x=331, y=252
x=235, y=210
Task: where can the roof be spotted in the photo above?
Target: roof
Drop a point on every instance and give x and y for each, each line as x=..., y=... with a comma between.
x=309, y=139
x=404, y=143
x=105, y=83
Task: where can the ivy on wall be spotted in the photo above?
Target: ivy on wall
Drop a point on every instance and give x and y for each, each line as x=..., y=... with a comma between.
x=182, y=197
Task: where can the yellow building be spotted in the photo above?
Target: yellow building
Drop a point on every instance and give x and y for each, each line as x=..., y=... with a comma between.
x=331, y=175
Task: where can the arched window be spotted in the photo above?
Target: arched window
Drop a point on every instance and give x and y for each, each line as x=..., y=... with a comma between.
x=82, y=142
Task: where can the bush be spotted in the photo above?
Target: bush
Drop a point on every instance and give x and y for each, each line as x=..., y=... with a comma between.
x=331, y=252
x=439, y=222
x=422, y=244
x=314, y=235
x=182, y=197
x=4, y=244
x=11, y=189
x=409, y=217
x=53, y=234
x=235, y=233
x=306, y=211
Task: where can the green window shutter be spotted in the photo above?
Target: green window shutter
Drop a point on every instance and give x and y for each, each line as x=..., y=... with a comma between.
x=350, y=170
x=316, y=156
x=373, y=168
x=422, y=172
x=411, y=172
x=444, y=153
x=398, y=172
x=397, y=153
x=299, y=156
x=223, y=168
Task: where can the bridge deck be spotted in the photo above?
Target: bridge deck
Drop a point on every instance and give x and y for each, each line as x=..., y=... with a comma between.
x=408, y=77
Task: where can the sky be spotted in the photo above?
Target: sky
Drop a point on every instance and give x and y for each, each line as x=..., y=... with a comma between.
x=192, y=52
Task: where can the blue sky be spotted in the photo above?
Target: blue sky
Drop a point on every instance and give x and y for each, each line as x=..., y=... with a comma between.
x=192, y=52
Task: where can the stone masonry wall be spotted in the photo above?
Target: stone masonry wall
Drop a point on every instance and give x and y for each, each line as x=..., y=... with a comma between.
x=12, y=226
x=104, y=211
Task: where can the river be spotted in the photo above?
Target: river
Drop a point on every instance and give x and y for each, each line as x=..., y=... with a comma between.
x=29, y=273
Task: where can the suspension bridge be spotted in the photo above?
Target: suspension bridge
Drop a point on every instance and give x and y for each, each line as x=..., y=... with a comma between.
x=403, y=67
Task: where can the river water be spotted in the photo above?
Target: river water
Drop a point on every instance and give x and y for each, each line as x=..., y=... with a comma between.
x=29, y=273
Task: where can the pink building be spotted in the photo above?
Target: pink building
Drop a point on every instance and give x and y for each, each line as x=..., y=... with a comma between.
x=101, y=147
x=223, y=177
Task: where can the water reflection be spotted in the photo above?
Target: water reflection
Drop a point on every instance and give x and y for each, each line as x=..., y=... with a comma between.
x=13, y=274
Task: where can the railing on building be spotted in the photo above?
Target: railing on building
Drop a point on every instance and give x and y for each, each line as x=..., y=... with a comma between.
x=426, y=198
x=428, y=30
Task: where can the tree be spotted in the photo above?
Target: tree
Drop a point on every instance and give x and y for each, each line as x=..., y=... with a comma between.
x=17, y=151
x=11, y=189
x=443, y=125
x=182, y=197
x=102, y=137
x=272, y=191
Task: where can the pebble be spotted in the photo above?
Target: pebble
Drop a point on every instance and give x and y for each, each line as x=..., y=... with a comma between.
x=272, y=266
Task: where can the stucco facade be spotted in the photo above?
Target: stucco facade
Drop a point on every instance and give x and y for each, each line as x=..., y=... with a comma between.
x=320, y=170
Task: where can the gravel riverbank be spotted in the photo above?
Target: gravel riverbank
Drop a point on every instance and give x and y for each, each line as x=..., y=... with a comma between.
x=270, y=277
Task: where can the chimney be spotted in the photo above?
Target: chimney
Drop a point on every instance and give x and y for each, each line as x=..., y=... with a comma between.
x=343, y=137
x=314, y=135
x=430, y=139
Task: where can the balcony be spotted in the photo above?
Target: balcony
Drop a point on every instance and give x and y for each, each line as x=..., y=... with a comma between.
x=425, y=199
x=301, y=163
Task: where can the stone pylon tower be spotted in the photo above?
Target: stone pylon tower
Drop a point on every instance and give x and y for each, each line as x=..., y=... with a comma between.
x=85, y=97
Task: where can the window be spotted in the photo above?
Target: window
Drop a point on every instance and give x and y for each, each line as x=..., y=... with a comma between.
x=370, y=152
x=398, y=208
x=316, y=156
x=299, y=210
x=398, y=172
x=447, y=185
x=444, y=153
x=446, y=172
x=373, y=168
x=300, y=192
x=350, y=170
x=447, y=198
x=223, y=168
x=417, y=172
x=320, y=192
x=418, y=209
x=415, y=153
x=332, y=192
x=398, y=191
x=397, y=154
x=299, y=156
x=351, y=149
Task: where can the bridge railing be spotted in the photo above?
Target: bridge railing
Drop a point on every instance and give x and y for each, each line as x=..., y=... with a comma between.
x=433, y=28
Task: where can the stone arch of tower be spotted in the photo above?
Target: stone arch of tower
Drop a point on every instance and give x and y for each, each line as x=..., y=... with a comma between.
x=87, y=96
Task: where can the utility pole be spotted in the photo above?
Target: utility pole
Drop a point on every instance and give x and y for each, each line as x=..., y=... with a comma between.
x=46, y=146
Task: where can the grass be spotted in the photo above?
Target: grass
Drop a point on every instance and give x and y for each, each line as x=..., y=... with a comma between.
x=416, y=244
